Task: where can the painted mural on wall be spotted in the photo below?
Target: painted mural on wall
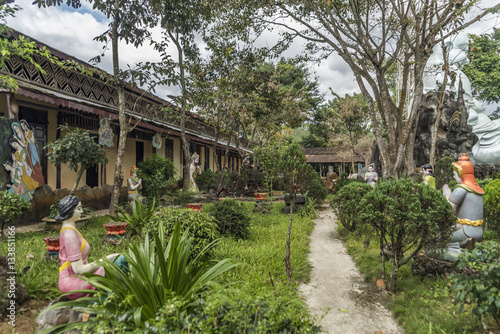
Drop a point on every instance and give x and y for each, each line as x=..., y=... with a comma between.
x=24, y=163
x=157, y=141
x=105, y=133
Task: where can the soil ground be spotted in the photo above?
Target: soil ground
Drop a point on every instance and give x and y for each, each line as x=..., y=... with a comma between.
x=337, y=290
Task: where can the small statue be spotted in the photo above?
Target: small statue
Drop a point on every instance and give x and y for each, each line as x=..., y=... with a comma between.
x=371, y=177
x=467, y=200
x=194, y=170
x=428, y=176
x=331, y=180
x=134, y=184
x=74, y=250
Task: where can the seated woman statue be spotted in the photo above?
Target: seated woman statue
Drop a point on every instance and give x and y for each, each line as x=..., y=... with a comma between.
x=428, y=176
x=467, y=200
x=134, y=184
x=74, y=250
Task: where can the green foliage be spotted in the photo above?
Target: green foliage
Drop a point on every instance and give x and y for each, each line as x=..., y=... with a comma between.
x=206, y=180
x=492, y=205
x=345, y=204
x=78, y=149
x=138, y=217
x=315, y=187
x=480, y=288
x=407, y=217
x=12, y=206
x=232, y=218
x=157, y=174
x=483, y=183
x=443, y=171
x=483, y=70
x=269, y=157
x=159, y=270
x=249, y=181
x=202, y=228
x=179, y=197
x=343, y=181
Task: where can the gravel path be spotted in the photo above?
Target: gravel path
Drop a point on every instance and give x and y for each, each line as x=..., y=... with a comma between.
x=337, y=287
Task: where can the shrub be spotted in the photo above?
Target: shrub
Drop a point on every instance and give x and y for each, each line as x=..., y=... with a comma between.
x=408, y=217
x=179, y=197
x=231, y=217
x=249, y=181
x=157, y=174
x=206, y=180
x=202, y=228
x=12, y=206
x=481, y=287
x=138, y=217
x=346, y=202
x=483, y=183
x=443, y=171
x=492, y=205
x=314, y=187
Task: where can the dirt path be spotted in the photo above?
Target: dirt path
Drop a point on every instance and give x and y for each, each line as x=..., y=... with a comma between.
x=336, y=284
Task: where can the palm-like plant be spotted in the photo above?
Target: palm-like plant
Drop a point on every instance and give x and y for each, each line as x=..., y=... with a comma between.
x=157, y=274
x=139, y=216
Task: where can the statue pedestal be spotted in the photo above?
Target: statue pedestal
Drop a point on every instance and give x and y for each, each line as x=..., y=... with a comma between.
x=53, y=225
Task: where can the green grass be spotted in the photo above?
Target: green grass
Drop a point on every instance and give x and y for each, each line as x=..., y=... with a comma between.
x=39, y=274
x=262, y=254
x=419, y=305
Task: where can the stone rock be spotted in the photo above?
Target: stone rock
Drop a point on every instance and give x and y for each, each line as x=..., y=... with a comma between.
x=54, y=317
x=454, y=135
x=60, y=193
x=42, y=199
x=86, y=195
x=102, y=198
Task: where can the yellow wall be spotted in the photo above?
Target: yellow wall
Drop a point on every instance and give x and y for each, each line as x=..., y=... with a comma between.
x=177, y=157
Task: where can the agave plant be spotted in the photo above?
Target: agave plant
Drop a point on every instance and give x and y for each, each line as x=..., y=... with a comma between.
x=139, y=216
x=157, y=274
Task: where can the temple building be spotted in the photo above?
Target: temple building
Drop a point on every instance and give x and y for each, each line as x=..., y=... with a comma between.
x=32, y=117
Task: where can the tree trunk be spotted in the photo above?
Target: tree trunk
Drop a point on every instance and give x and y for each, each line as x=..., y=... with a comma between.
x=77, y=181
x=288, y=267
x=118, y=178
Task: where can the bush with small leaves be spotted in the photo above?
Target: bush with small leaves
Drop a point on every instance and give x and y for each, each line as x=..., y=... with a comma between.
x=492, y=205
x=345, y=204
x=481, y=287
x=408, y=217
x=202, y=228
x=11, y=207
x=157, y=174
x=206, y=180
x=232, y=218
x=314, y=187
x=443, y=171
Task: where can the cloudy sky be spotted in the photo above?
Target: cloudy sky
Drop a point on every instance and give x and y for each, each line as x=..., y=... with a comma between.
x=73, y=31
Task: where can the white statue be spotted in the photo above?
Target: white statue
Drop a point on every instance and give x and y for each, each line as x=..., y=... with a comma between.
x=487, y=150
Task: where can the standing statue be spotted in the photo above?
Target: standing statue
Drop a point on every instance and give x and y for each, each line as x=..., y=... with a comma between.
x=428, y=176
x=331, y=180
x=467, y=200
x=74, y=251
x=134, y=184
x=371, y=177
x=194, y=170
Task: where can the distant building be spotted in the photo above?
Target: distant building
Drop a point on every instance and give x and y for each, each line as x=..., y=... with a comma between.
x=322, y=157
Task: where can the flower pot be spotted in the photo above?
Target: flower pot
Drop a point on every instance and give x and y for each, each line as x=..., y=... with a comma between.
x=52, y=243
x=260, y=196
x=116, y=228
x=195, y=206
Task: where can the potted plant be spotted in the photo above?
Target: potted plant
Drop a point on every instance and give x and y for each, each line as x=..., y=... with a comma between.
x=77, y=149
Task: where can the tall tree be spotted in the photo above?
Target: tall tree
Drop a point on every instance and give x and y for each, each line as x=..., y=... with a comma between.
x=182, y=22
x=483, y=70
x=370, y=37
x=131, y=21
x=350, y=118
